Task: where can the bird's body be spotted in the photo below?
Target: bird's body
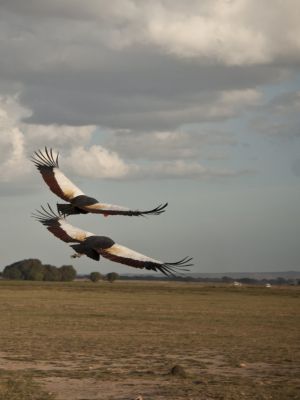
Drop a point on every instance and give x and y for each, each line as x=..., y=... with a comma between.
x=94, y=246
x=77, y=201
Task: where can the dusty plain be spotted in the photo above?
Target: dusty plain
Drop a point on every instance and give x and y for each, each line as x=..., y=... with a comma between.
x=103, y=341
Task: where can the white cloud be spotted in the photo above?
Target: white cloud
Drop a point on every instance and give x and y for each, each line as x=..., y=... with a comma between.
x=209, y=38
x=18, y=139
x=96, y=162
x=13, y=163
x=226, y=32
x=99, y=163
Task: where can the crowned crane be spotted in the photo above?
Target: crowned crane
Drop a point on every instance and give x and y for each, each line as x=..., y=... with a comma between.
x=79, y=203
x=95, y=246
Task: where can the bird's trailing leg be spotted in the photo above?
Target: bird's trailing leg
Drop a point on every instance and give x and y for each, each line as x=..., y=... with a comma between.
x=76, y=255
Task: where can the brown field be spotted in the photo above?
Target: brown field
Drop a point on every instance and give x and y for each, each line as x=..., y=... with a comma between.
x=71, y=341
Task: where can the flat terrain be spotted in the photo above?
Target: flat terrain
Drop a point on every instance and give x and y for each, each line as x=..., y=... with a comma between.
x=71, y=341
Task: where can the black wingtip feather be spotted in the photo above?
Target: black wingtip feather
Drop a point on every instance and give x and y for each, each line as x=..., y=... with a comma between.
x=45, y=159
x=155, y=211
x=174, y=268
x=45, y=216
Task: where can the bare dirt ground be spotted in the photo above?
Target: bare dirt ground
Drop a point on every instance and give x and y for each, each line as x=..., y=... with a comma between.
x=85, y=342
x=141, y=381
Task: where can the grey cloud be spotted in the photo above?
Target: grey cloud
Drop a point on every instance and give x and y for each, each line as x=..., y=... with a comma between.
x=285, y=103
x=69, y=73
x=98, y=162
x=279, y=117
x=72, y=9
x=182, y=169
x=120, y=111
x=223, y=32
x=163, y=154
x=57, y=136
x=167, y=145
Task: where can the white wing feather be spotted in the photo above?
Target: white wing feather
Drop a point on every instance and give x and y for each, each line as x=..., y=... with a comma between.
x=122, y=251
x=68, y=187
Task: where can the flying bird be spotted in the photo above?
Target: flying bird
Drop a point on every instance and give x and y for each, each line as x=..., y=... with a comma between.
x=94, y=246
x=78, y=202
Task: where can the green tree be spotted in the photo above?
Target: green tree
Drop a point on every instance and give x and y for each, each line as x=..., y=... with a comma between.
x=52, y=273
x=12, y=272
x=30, y=269
x=95, y=276
x=33, y=270
x=112, y=276
x=68, y=273
x=35, y=273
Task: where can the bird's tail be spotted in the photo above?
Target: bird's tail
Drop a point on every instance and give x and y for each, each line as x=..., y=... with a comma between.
x=68, y=209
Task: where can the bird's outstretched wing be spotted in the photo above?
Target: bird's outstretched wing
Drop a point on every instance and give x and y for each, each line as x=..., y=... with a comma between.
x=124, y=255
x=58, y=226
x=84, y=204
x=47, y=163
x=111, y=209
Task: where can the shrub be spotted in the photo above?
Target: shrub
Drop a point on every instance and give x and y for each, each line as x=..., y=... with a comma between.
x=52, y=273
x=112, y=276
x=95, y=276
x=68, y=273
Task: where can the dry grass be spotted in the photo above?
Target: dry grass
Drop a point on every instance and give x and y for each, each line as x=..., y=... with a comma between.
x=115, y=341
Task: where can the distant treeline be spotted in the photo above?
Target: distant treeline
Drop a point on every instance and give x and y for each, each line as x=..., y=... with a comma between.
x=224, y=279
x=33, y=270
x=251, y=281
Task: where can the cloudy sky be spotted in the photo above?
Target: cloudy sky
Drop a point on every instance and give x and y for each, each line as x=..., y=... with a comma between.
x=192, y=102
